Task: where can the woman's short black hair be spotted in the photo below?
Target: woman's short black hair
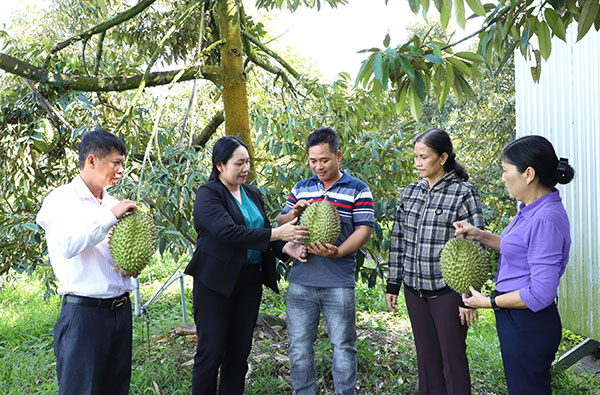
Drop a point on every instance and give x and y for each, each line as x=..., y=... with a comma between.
x=439, y=141
x=223, y=151
x=100, y=143
x=538, y=153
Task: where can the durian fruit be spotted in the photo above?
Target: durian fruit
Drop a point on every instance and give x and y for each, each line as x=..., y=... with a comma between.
x=45, y=138
x=464, y=262
x=132, y=243
x=323, y=221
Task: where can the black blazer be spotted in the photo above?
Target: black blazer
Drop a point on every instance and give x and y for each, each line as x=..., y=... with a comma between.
x=223, y=239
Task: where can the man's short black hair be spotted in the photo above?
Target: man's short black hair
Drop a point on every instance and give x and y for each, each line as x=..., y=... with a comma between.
x=100, y=143
x=324, y=135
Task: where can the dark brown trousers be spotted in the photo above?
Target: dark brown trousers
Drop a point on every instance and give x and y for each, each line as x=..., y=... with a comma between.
x=440, y=342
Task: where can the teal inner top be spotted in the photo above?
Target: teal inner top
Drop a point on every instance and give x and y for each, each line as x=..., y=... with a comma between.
x=254, y=219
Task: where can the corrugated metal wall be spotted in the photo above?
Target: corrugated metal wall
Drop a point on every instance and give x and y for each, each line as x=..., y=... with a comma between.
x=565, y=108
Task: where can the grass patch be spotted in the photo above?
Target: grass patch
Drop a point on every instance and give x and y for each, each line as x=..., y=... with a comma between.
x=386, y=356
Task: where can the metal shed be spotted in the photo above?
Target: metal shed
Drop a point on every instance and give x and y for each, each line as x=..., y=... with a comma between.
x=564, y=107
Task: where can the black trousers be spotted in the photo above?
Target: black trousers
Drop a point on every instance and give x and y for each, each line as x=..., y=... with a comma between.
x=224, y=326
x=440, y=340
x=93, y=349
x=528, y=342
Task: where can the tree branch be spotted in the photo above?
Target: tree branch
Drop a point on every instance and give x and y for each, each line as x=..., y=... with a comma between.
x=269, y=67
x=209, y=129
x=272, y=54
x=104, y=84
x=49, y=108
x=104, y=26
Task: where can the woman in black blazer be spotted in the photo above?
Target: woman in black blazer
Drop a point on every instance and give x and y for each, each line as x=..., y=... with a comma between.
x=235, y=255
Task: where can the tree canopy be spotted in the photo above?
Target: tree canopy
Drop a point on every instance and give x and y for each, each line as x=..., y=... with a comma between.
x=83, y=64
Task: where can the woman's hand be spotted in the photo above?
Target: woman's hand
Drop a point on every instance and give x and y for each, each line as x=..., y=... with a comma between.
x=290, y=232
x=477, y=300
x=467, y=316
x=465, y=230
x=327, y=250
x=300, y=206
x=392, y=302
x=295, y=250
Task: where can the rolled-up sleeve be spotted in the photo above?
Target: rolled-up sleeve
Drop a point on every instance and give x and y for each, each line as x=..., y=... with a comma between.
x=544, y=258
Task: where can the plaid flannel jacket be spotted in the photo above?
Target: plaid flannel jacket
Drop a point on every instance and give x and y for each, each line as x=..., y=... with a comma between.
x=423, y=225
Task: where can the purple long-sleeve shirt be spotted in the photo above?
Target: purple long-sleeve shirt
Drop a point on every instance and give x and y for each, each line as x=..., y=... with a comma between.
x=534, y=251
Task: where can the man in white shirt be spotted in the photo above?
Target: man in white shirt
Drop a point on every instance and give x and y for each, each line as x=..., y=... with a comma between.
x=92, y=336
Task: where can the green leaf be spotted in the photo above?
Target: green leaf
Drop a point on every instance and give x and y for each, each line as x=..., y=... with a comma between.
x=378, y=67
x=402, y=98
x=544, y=39
x=446, y=12
x=447, y=84
x=587, y=16
x=386, y=40
x=414, y=103
x=365, y=70
x=459, y=13
x=419, y=85
x=434, y=59
x=470, y=56
x=425, y=5
x=407, y=67
x=477, y=7
x=525, y=40
x=31, y=226
x=536, y=71
x=414, y=6
x=557, y=4
x=555, y=23
x=439, y=4
x=102, y=5
x=462, y=67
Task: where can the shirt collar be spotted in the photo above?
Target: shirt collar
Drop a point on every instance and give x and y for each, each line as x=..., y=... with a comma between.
x=451, y=175
x=342, y=180
x=531, y=209
x=82, y=189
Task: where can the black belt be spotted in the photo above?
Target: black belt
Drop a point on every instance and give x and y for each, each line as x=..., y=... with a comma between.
x=112, y=303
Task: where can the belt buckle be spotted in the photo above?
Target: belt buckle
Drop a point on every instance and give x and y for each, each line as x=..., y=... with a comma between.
x=118, y=303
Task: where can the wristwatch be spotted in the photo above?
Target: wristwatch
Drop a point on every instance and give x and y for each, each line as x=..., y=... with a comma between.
x=493, y=302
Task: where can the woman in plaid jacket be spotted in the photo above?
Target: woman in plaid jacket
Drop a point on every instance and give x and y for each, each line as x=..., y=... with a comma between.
x=426, y=212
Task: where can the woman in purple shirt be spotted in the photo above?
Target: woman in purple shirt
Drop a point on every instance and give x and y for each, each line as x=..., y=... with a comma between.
x=534, y=251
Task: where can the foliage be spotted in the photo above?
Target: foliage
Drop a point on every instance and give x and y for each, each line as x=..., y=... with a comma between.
x=425, y=66
x=168, y=160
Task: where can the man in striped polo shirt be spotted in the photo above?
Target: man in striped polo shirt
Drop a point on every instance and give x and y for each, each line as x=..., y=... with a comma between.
x=325, y=283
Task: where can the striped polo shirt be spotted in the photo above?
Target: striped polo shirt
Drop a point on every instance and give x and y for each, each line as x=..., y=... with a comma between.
x=354, y=202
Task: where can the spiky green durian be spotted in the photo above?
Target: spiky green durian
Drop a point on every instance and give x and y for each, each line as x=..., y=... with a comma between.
x=464, y=263
x=132, y=243
x=323, y=221
x=45, y=138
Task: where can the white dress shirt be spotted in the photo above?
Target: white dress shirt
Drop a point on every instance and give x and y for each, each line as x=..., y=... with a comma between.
x=77, y=226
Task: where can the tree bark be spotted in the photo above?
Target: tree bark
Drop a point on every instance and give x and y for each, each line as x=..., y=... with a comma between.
x=86, y=83
x=235, y=100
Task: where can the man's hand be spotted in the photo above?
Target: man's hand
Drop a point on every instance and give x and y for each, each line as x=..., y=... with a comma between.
x=328, y=250
x=123, y=207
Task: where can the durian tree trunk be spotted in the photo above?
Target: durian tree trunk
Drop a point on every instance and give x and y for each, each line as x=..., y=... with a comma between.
x=235, y=97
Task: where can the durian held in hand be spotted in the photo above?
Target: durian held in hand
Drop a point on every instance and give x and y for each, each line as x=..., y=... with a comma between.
x=132, y=243
x=323, y=221
x=464, y=262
